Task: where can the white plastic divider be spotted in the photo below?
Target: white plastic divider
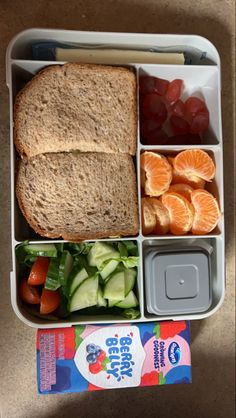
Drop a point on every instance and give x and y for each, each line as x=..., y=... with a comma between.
x=20, y=70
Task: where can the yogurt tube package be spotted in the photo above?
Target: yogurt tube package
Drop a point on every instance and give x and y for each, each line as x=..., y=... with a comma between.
x=85, y=358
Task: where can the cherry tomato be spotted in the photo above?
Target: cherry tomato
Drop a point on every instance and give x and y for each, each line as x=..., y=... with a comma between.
x=174, y=91
x=50, y=300
x=101, y=356
x=29, y=294
x=200, y=122
x=154, y=108
x=178, y=109
x=179, y=125
x=39, y=271
x=95, y=367
x=194, y=105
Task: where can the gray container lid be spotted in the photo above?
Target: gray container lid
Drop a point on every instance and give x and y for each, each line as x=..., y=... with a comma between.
x=177, y=282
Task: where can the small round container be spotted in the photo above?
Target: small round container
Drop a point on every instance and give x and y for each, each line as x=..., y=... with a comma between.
x=177, y=281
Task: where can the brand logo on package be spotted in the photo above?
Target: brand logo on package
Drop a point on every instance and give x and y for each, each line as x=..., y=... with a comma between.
x=174, y=353
x=111, y=357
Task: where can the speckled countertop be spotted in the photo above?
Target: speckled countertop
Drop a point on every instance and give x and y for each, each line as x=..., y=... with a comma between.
x=211, y=395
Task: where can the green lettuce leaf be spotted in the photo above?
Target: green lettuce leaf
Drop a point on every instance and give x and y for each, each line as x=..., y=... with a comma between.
x=131, y=313
x=128, y=262
x=132, y=247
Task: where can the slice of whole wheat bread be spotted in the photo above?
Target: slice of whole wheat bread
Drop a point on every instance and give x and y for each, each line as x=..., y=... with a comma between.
x=79, y=195
x=90, y=108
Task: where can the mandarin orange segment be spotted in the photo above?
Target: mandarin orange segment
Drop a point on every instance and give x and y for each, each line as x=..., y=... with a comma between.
x=158, y=173
x=162, y=216
x=193, y=181
x=194, y=162
x=181, y=212
x=207, y=212
x=183, y=189
x=148, y=216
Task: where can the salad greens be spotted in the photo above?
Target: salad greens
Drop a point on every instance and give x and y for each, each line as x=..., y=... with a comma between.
x=94, y=278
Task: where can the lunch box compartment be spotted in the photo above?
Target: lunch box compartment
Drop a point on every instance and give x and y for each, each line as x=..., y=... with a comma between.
x=211, y=249
x=30, y=315
x=215, y=186
x=21, y=74
x=20, y=68
x=200, y=81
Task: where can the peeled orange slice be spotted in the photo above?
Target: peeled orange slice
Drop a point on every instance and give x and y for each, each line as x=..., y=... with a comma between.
x=181, y=212
x=183, y=189
x=207, y=212
x=150, y=206
x=148, y=216
x=162, y=216
x=158, y=173
x=193, y=181
x=194, y=162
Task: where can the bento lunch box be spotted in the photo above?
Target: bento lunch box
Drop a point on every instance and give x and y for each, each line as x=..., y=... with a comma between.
x=204, y=77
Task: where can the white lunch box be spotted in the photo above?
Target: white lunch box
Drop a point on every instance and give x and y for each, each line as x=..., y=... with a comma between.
x=203, y=76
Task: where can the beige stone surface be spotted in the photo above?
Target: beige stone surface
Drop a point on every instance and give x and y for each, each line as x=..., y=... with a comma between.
x=211, y=395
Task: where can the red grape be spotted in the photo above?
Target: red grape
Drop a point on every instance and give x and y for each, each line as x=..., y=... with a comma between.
x=200, y=122
x=187, y=139
x=146, y=84
x=178, y=109
x=154, y=108
x=161, y=86
x=194, y=105
x=179, y=125
x=174, y=91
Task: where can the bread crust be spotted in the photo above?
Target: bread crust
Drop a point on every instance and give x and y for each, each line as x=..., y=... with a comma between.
x=22, y=148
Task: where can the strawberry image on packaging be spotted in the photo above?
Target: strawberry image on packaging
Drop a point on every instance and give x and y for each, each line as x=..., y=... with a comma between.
x=83, y=358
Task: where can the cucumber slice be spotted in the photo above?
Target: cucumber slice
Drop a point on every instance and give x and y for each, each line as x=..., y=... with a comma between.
x=109, y=268
x=111, y=303
x=101, y=300
x=115, y=287
x=41, y=250
x=76, y=279
x=101, y=252
x=65, y=267
x=130, y=276
x=85, y=295
x=129, y=302
x=52, y=280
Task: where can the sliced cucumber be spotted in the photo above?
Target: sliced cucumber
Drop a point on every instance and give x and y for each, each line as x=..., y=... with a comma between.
x=41, y=250
x=111, y=303
x=85, y=295
x=115, y=287
x=65, y=267
x=129, y=302
x=101, y=252
x=75, y=279
x=101, y=300
x=109, y=268
x=130, y=276
x=52, y=280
